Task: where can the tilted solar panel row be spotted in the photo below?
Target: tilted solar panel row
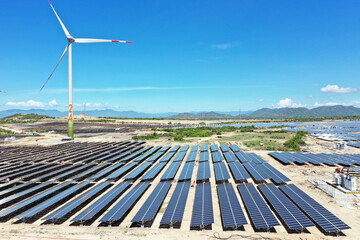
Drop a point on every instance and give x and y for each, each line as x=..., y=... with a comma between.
x=122, y=171
x=235, y=148
x=203, y=173
x=289, y=213
x=204, y=148
x=238, y=172
x=214, y=148
x=67, y=210
x=136, y=154
x=120, y=210
x=224, y=148
x=102, y=203
x=171, y=171
x=90, y=172
x=255, y=158
x=191, y=157
x=9, y=191
x=187, y=171
x=152, y=204
x=231, y=213
x=230, y=157
x=175, y=148
x=147, y=154
x=194, y=148
x=76, y=171
x=184, y=148
x=242, y=157
x=274, y=174
x=107, y=171
x=256, y=172
x=137, y=172
x=216, y=156
x=258, y=211
x=180, y=156
x=316, y=212
x=221, y=172
x=167, y=157
x=175, y=209
x=154, y=171
x=204, y=156
x=202, y=214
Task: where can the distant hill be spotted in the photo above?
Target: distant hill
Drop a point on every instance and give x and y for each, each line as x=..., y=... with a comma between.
x=202, y=115
x=325, y=111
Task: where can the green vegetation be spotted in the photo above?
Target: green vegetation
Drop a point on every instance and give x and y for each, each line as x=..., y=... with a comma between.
x=101, y=120
x=24, y=118
x=180, y=133
x=4, y=132
x=294, y=143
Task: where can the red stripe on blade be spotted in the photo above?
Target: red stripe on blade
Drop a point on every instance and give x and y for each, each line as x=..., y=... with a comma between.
x=129, y=42
x=114, y=40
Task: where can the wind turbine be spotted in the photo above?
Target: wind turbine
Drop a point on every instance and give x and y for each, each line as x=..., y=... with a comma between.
x=72, y=40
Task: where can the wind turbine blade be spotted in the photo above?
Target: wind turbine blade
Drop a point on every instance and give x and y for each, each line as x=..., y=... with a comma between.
x=92, y=40
x=62, y=56
x=61, y=23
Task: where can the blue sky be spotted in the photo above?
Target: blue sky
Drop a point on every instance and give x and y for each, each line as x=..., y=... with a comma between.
x=186, y=55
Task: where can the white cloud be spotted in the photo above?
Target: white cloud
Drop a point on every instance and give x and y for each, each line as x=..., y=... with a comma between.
x=223, y=46
x=337, y=89
x=32, y=103
x=53, y=103
x=261, y=100
x=288, y=102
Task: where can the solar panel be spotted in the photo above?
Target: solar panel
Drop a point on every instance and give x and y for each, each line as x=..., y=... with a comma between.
x=231, y=213
x=175, y=148
x=290, y=214
x=154, y=171
x=122, y=171
x=171, y=171
x=242, y=157
x=156, y=156
x=175, y=209
x=15, y=189
x=203, y=171
x=230, y=157
x=216, y=156
x=152, y=204
x=67, y=210
x=204, y=148
x=316, y=212
x=238, y=171
x=256, y=172
x=225, y=148
x=106, y=171
x=214, y=148
x=120, y=210
x=179, y=157
x=202, y=214
x=255, y=158
x=147, y=154
x=41, y=208
x=258, y=211
x=221, y=172
x=137, y=172
x=274, y=174
x=187, y=171
x=101, y=204
x=91, y=171
x=204, y=156
x=191, y=157
x=194, y=148
x=165, y=148
x=184, y=148
x=235, y=148
x=167, y=157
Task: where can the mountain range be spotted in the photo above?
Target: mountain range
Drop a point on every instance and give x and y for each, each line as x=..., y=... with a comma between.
x=324, y=111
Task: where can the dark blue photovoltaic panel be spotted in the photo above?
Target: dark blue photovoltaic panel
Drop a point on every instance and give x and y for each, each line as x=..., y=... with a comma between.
x=137, y=172
x=194, y=148
x=122, y=207
x=165, y=148
x=167, y=157
x=242, y=157
x=259, y=213
x=216, y=156
x=320, y=215
x=102, y=202
x=175, y=209
x=154, y=171
x=255, y=158
x=184, y=148
x=147, y=154
x=235, y=148
x=204, y=156
x=40, y=208
x=191, y=157
x=65, y=210
x=156, y=156
x=230, y=157
x=171, y=171
x=221, y=172
x=152, y=204
x=274, y=174
x=187, y=171
x=179, y=157
x=256, y=172
x=231, y=213
x=214, y=148
x=238, y=171
x=175, y=148
x=203, y=171
x=106, y=171
x=202, y=214
x=225, y=148
x=204, y=148
x=291, y=215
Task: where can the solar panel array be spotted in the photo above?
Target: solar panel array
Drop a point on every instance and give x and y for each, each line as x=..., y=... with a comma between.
x=88, y=198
